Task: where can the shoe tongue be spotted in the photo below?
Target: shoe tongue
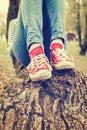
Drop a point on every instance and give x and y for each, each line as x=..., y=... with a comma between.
x=36, y=51
x=56, y=45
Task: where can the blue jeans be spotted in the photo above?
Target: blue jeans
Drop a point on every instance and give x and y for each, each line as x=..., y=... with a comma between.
x=39, y=21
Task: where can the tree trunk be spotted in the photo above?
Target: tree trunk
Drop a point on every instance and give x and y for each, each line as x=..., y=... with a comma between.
x=84, y=46
x=79, y=31
x=59, y=103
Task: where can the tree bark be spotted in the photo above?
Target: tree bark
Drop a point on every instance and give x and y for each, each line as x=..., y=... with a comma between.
x=59, y=103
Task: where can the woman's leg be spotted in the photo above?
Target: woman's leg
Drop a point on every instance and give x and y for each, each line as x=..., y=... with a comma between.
x=19, y=44
x=56, y=9
x=29, y=29
x=60, y=58
x=39, y=67
x=30, y=25
x=32, y=21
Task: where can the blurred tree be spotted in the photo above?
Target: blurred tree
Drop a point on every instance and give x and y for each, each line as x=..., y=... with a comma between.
x=76, y=21
x=84, y=27
x=71, y=14
x=78, y=27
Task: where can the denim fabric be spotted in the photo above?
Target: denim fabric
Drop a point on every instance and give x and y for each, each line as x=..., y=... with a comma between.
x=39, y=21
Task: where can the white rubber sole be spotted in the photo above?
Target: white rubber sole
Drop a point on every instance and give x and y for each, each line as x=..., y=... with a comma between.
x=64, y=65
x=43, y=75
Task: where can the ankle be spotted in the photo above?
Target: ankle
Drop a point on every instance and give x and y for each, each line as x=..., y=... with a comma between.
x=36, y=50
x=34, y=46
x=57, y=43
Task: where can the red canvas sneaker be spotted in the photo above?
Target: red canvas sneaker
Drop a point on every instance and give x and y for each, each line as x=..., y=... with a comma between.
x=60, y=58
x=39, y=67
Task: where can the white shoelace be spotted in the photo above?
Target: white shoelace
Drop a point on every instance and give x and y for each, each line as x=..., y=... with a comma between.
x=62, y=54
x=38, y=62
